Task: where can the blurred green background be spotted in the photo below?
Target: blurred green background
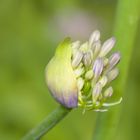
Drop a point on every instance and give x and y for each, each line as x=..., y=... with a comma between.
x=30, y=30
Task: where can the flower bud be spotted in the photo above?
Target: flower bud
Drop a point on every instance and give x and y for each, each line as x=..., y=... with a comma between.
x=89, y=75
x=77, y=59
x=80, y=83
x=80, y=74
x=98, y=68
x=95, y=36
x=96, y=92
x=60, y=76
x=107, y=46
x=111, y=75
x=87, y=59
x=114, y=59
x=96, y=47
x=108, y=92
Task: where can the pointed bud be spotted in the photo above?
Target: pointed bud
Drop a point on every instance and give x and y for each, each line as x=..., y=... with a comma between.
x=111, y=75
x=98, y=67
x=77, y=59
x=96, y=92
x=87, y=59
x=108, y=92
x=96, y=47
x=95, y=36
x=114, y=60
x=60, y=76
x=80, y=83
x=107, y=46
x=91, y=54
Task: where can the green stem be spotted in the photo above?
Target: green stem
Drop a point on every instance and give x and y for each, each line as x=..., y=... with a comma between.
x=125, y=30
x=57, y=115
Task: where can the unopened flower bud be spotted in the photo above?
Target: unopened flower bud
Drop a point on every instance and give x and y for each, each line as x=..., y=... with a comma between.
x=96, y=47
x=108, y=92
x=79, y=75
x=87, y=59
x=95, y=36
x=89, y=75
x=80, y=83
x=96, y=92
x=107, y=46
x=111, y=75
x=60, y=76
x=114, y=59
x=77, y=59
x=98, y=68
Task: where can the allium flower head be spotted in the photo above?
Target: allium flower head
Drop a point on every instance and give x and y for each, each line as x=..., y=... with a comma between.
x=81, y=74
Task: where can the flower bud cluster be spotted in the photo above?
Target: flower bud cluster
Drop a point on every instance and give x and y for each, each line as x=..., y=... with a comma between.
x=80, y=74
x=94, y=69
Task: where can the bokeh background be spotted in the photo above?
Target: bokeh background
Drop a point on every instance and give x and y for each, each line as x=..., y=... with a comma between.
x=30, y=30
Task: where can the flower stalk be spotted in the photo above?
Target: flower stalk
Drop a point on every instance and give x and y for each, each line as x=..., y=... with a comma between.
x=47, y=124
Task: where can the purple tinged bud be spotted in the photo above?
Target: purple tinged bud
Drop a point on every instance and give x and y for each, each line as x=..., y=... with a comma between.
x=77, y=68
x=95, y=36
x=98, y=67
x=60, y=77
x=107, y=46
x=96, y=92
x=111, y=75
x=114, y=60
